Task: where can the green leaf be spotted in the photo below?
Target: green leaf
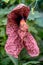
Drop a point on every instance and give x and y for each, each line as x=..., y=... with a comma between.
x=5, y=11
x=39, y=22
x=2, y=32
x=41, y=46
x=12, y=1
x=2, y=51
x=32, y=29
x=23, y=1
x=14, y=60
x=5, y=61
x=31, y=62
x=3, y=21
x=35, y=15
x=41, y=58
x=6, y=1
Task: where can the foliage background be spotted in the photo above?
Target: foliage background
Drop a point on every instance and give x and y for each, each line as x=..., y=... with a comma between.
x=35, y=22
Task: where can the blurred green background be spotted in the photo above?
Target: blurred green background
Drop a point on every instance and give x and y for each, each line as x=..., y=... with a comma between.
x=35, y=22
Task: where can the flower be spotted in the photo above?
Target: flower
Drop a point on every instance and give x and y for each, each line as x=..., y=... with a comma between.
x=18, y=35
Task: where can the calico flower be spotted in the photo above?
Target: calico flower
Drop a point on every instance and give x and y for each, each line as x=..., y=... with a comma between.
x=18, y=35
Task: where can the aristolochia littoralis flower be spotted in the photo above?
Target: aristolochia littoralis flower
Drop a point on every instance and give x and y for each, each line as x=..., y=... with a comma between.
x=18, y=35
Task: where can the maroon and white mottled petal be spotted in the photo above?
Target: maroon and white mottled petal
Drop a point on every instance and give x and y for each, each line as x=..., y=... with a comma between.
x=31, y=45
x=13, y=46
x=21, y=34
x=11, y=27
x=20, y=10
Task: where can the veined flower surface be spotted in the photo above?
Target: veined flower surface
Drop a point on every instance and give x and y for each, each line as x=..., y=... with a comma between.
x=18, y=35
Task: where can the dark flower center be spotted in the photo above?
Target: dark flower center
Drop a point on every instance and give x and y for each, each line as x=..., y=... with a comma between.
x=19, y=18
